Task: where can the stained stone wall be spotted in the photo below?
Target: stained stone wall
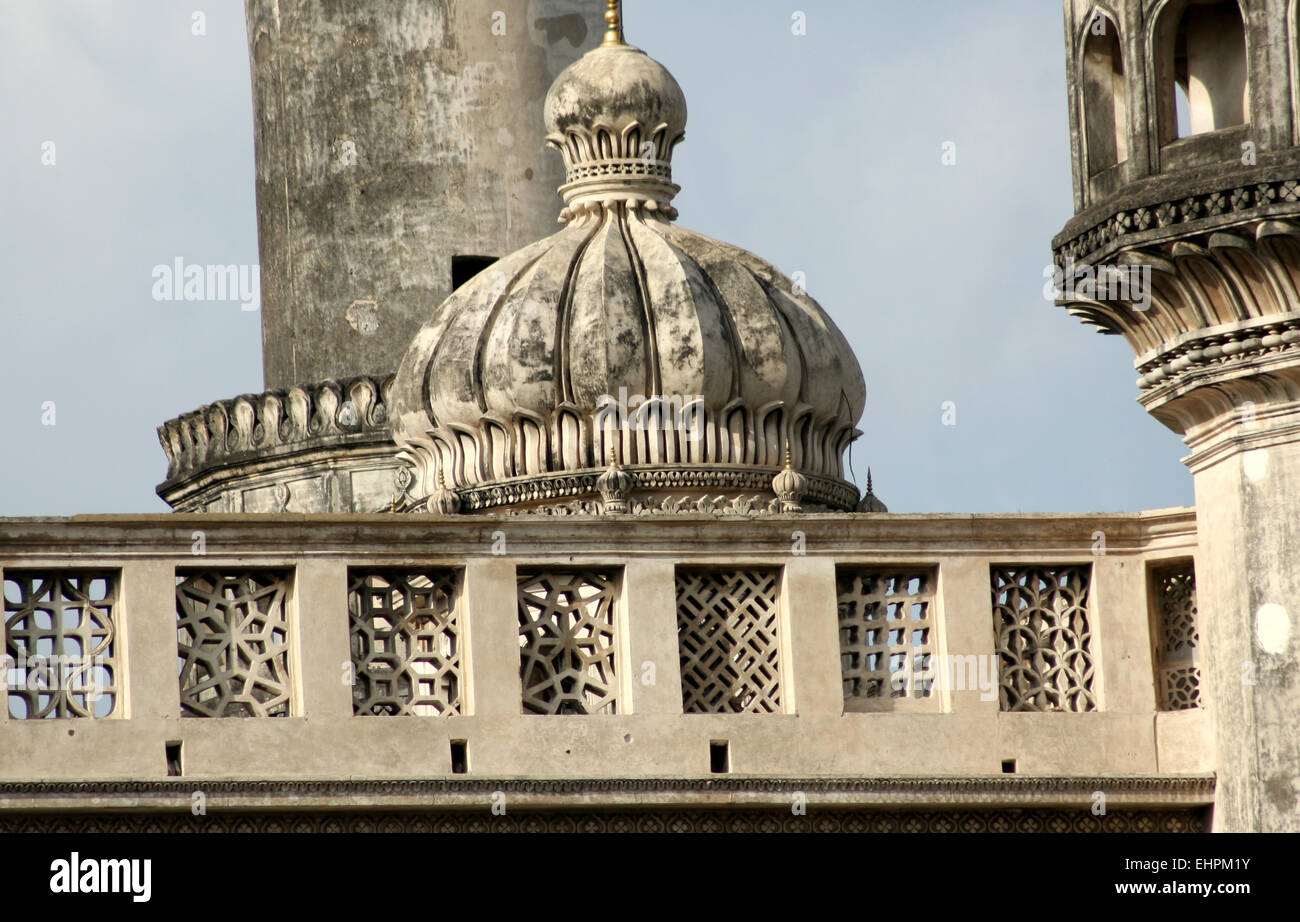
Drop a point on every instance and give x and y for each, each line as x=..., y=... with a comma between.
x=322, y=447
x=392, y=137
x=1202, y=213
x=582, y=648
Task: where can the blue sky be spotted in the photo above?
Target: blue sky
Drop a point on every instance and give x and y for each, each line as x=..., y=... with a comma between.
x=821, y=153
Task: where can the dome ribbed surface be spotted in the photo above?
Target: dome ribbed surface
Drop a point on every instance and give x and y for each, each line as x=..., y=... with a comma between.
x=535, y=375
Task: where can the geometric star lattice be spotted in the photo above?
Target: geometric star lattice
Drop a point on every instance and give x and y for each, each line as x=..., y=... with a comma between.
x=405, y=642
x=232, y=635
x=566, y=642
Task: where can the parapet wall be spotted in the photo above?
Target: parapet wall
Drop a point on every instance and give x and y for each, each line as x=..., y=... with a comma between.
x=405, y=647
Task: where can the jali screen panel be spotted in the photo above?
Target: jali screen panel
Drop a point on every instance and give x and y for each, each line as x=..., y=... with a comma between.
x=729, y=639
x=232, y=631
x=406, y=647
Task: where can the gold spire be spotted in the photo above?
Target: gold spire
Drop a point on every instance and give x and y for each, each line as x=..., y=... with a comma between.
x=614, y=17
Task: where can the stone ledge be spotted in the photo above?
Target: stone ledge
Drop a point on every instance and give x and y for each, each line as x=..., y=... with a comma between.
x=1171, y=820
x=1179, y=206
x=992, y=791
x=1174, y=189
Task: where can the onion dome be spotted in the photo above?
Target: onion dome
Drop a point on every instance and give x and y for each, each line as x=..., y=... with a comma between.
x=615, y=485
x=443, y=502
x=871, y=502
x=693, y=361
x=789, y=486
x=616, y=115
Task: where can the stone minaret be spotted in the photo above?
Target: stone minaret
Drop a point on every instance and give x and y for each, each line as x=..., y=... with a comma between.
x=1186, y=242
x=399, y=146
x=400, y=150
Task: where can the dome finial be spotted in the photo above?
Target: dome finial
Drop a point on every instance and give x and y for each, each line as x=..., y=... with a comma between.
x=614, y=17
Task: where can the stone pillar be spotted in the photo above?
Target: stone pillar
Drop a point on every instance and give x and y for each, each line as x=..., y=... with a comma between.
x=324, y=640
x=650, y=601
x=393, y=136
x=148, y=669
x=492, y=629
x=811, y=624
x=1121, y=634
x=1248, y=598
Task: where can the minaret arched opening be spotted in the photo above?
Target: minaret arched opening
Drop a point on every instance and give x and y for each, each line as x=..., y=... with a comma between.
x=1105, y=95
x=1201, y=55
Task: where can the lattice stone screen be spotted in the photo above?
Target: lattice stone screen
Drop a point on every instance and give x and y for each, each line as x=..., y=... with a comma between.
x=61, y=643
x=567, y=642
x=886, y=624
x=729, y=638
x=1043, y=638
x=1179, y=678
x=233, y=643
x=406, y=652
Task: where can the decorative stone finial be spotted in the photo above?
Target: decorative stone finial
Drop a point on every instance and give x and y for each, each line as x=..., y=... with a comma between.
x=870, y=502
x=615, y=115
x=614, y=18
x=444, y=502
x=615, y=485
x=789, y=485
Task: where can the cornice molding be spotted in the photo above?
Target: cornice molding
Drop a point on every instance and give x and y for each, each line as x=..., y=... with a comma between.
x=277, y=423
x=994, y=790
x=1177, y=205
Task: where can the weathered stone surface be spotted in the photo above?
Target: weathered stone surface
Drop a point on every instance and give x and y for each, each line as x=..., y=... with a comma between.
x=320, y=448
x=1205, y=223
x=512, y=380
x=392, y=136
x=944, y=749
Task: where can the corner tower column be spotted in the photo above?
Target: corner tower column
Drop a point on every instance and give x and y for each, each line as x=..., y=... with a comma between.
x=1186, y=242
x=1244, y=430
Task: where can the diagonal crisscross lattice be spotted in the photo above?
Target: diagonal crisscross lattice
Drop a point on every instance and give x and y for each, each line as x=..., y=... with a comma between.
x=405, y=642
x=566, y=642
x=1043, y=638
x=885, y=619
x=728, y=635
x=60, y=631
x=232, y=635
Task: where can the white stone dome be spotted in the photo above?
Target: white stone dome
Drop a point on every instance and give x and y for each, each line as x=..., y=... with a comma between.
x=615, y=86
x=525, y=382
x=615, y=115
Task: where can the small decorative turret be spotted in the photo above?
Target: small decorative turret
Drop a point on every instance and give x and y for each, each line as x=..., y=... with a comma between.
x=615, y=485
x=871, y=502
x=789, y=485
x=444, y=502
